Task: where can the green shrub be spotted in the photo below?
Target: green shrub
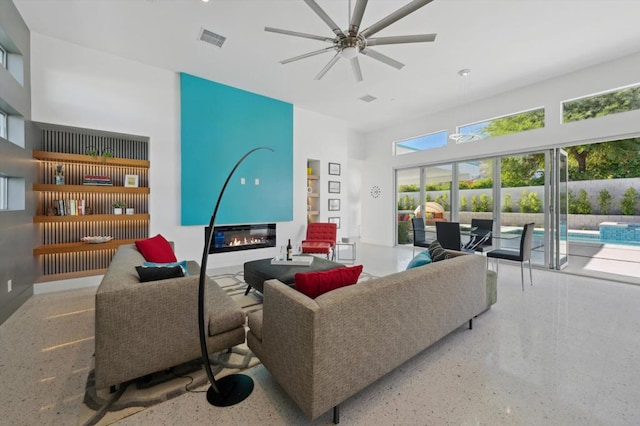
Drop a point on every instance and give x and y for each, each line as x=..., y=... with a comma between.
x=405, y=236
x=463, y=203
x=507, y=206
x=410, y=187
x=629, y=203
x=604, y=201
x=530, y=202
x=481, y=204
x=443, y=200
x=579, y=204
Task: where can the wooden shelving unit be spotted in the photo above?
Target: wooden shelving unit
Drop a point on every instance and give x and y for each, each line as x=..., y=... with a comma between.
x=62, y=254
x=313, y=196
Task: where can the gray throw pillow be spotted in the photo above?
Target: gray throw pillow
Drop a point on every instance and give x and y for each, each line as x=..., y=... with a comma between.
x=437, y=252
x=153, y=273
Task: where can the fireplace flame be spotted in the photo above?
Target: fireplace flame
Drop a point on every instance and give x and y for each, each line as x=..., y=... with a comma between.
x=245, y=241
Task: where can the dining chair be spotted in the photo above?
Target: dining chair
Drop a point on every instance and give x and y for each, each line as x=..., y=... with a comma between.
x=481, y=238
x=419, y=234
x=524, y=254
x=448, y=235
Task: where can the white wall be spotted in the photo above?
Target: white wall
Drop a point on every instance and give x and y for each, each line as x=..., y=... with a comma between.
x=378, y=214
x=82, y=87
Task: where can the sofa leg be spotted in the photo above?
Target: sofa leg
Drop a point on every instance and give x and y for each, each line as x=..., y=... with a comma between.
x=471, y=324
x=336, y=414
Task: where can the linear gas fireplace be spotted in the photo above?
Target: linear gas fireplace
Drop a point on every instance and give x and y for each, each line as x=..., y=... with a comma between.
x=241, y=237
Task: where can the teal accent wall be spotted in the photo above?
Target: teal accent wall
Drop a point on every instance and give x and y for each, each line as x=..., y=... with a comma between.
x=219, y=124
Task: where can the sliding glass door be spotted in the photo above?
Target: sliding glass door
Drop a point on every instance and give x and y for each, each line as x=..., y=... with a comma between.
x=559, y=209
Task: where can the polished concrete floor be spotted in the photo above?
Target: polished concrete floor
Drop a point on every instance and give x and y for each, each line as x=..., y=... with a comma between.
x=563, y=352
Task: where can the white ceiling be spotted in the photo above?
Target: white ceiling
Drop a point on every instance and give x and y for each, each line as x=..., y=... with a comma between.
x=506, y=43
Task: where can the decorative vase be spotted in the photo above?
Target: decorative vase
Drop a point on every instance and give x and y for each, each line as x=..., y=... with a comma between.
x=309, y=170
x=117, y=211
x=130, y=210
x=59, y=179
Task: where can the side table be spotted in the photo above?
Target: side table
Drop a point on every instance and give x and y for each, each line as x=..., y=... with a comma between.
x=347, y=242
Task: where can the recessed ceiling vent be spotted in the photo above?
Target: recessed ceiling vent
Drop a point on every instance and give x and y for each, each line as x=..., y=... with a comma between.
x=368, y=98
x=212, y=38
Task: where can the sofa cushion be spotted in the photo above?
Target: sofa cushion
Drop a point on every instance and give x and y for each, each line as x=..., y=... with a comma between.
x=313, y=284
x=420, y=259
x=182, y=264
x=156, y=273
x=436, y=252
x=156, y=249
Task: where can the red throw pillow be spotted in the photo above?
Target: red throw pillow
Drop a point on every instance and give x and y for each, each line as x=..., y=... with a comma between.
x=156, y=249
x=313, y=284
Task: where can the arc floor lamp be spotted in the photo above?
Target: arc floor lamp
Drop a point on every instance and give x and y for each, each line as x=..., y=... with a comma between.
x=233, y=388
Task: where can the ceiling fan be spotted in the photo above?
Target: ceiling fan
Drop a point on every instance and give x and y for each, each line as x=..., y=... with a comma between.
x=353, y=42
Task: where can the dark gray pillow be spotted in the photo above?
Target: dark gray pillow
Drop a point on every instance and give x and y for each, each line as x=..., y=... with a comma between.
x=152, y=273
x=437, y=252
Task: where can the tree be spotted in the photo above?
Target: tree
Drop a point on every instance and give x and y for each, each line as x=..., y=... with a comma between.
x=522, y=170
x=629, y=203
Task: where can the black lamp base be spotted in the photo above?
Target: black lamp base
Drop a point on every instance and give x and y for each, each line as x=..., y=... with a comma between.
x=234, y=388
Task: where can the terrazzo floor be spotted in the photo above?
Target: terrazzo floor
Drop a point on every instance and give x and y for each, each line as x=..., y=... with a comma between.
x=563, y=352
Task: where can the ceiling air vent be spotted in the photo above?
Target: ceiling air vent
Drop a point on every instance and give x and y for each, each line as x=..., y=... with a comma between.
x=368, y=98
x=212, y=38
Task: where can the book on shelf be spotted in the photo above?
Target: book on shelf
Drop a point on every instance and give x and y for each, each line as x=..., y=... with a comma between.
x=96, y=180
x=70, y=207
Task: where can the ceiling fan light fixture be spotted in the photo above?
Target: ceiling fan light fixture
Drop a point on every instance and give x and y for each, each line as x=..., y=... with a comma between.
x=349, y=52
x=465, y=137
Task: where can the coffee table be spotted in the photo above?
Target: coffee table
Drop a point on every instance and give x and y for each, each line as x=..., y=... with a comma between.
x=256, y=272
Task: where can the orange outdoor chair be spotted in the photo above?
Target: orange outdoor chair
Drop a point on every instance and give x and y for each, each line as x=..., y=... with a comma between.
x=321, y=239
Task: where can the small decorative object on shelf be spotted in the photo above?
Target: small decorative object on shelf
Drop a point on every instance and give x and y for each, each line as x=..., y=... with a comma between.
x=97, y=239
x=130, y=210
x=118, y=206
x=59, y=174
x=131, y=181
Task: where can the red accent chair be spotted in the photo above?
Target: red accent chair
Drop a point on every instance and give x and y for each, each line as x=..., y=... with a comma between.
x=321, y=239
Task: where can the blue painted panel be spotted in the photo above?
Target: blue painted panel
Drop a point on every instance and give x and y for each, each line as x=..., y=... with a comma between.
x=219, y=124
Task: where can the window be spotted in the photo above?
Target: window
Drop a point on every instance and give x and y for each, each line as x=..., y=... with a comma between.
x=515, y=123
x=3, y=125
x=619, y=100
x=3, y=57
x=4, y=193
x=421, y=143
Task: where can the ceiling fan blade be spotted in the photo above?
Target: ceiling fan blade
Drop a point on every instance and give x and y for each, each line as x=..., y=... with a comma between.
x=356, y=19
x=327, y=20
x=307, y=55
x=418, y=38
x=398, y=14
x=328, y=66
x=297, y=34
x=382, y=58
x=355, y=67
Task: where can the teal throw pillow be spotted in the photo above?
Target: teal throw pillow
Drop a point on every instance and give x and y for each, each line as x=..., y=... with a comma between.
x=182, y=264
x=421, y=259
x=437, y=252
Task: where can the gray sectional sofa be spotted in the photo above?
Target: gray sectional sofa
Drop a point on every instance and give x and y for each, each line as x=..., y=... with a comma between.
x=142, y=328
x=325, y=350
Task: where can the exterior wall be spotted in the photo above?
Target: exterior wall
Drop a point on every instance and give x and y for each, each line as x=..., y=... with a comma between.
x=378, y=224
x=16, y=227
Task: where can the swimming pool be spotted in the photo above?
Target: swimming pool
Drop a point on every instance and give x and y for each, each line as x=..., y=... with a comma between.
x=593, y=237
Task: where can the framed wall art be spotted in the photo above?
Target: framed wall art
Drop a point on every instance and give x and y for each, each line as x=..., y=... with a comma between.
x=131, y=181
x=334, y=169
x=335, y=220
x=334, y=204
x=334, y=187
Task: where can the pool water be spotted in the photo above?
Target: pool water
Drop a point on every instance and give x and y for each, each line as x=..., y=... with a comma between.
x=585, y=237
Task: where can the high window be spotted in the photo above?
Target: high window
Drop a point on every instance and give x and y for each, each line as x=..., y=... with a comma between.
x=3, y=57
x=421, y=143
x=515, y=123
x=3, y=125
x=4, y=193
x=593, y=106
